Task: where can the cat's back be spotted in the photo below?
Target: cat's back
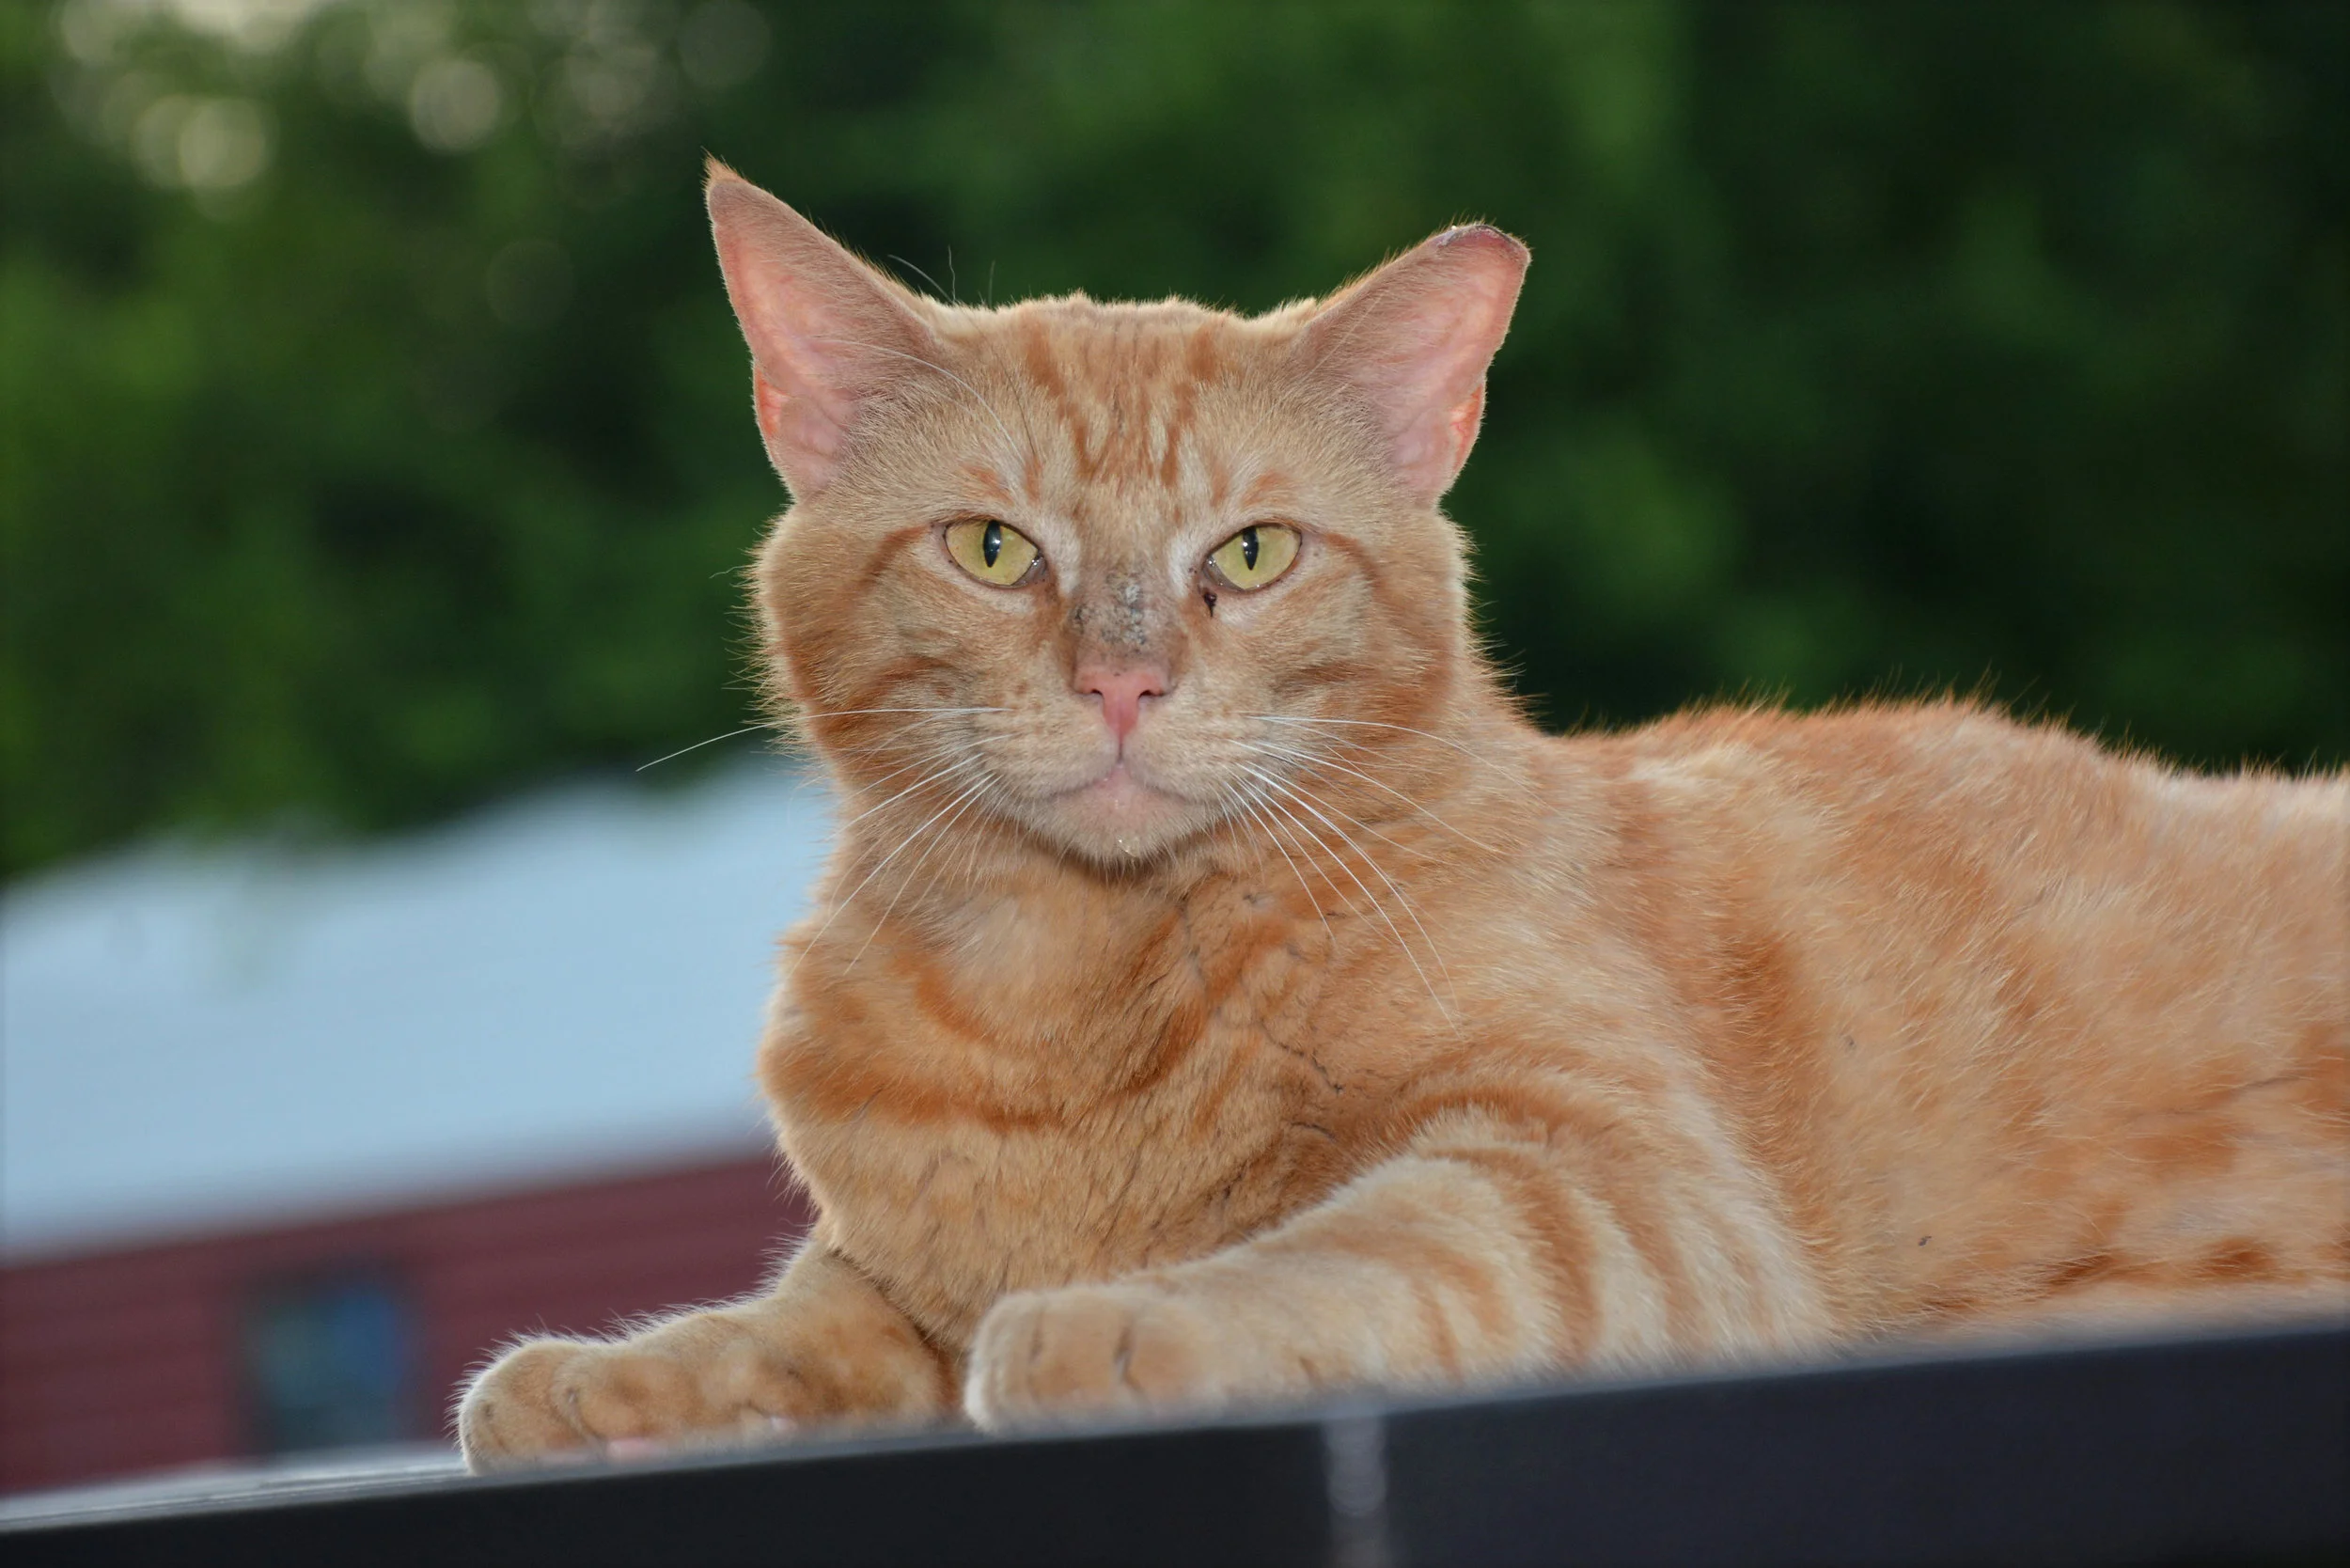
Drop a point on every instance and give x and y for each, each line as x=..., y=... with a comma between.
x=1942, y=846
x=1952, y=798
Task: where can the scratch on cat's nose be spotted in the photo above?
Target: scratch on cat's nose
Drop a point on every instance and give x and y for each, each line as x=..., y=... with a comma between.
x=1117, y=620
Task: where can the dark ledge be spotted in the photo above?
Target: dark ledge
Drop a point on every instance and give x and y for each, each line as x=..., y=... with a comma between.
x=2225, y=1448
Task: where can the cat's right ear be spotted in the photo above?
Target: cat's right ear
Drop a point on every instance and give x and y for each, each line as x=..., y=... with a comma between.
x=827, y=333
x=1413, y=339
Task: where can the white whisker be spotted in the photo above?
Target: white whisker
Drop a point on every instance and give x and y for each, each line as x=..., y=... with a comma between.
x=966, y=869
x=967, y=761
x=1279, y=817
x=1307, y=797
x=930, y=757
x=698, y=744
x=877, y=871
x=1347, y=839
x=1317, y=762
x=969, y=797
x=1374, y=724
x=1311, y=902
x=899, y=742
x=851, y=712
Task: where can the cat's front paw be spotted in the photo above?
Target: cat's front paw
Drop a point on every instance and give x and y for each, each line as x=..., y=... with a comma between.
x=1094, y=1350
x=550, y=1398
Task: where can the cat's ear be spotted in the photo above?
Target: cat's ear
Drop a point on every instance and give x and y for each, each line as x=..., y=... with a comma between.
x=827, y=333
x=1413, y=339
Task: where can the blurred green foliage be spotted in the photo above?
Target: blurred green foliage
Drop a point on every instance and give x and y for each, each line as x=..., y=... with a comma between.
x=376, y=437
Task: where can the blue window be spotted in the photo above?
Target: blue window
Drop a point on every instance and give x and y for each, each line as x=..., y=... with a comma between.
x=328, y=1364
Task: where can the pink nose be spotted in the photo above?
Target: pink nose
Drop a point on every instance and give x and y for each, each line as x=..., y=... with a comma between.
x=1122, y=692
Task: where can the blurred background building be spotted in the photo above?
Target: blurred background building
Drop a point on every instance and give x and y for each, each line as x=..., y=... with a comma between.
x=293, y=1135
x=376, y=471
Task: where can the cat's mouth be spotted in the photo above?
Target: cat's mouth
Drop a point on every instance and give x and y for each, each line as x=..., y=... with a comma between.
x=1130, y=811
x=1122, y=813
x=1122, y=789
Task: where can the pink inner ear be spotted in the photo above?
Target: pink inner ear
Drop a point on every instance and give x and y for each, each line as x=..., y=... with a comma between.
x=825, y=331
x=800, y=436
x=1416, y=337
x=1467, y=415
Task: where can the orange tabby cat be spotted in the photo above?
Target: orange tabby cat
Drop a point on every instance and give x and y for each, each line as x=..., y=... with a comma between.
x=1220, y=994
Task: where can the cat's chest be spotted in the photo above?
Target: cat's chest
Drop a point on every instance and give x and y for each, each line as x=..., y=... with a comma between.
x=959, y=1151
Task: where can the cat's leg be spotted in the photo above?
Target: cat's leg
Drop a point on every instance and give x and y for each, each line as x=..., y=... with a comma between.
x=1481, y=1253
x=822, y=1344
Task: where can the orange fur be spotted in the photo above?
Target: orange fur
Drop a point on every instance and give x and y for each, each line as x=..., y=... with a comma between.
x=1342, y=1028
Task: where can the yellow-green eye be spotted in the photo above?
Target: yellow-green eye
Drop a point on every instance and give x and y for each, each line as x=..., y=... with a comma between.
x=991, y=551
x=1256, y=555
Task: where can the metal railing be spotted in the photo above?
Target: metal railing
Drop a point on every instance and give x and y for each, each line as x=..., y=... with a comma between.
x=2218, y=1448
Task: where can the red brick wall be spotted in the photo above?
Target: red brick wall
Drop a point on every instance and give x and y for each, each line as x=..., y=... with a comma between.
x=125, y=1360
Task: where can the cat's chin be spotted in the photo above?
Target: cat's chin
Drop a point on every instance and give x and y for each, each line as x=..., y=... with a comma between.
x=1119, y=818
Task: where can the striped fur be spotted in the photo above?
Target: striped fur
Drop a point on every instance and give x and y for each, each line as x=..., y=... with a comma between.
x=1341, y=1029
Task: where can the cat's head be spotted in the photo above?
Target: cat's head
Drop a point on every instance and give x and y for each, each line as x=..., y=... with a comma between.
x=1107, y=571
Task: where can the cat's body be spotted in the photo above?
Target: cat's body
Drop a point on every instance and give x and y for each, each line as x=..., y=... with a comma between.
x=1872, y=1041
x=1219, y=994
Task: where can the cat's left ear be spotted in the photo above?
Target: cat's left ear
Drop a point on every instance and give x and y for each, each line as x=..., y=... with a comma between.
x=1413, y=338
x=827, y=333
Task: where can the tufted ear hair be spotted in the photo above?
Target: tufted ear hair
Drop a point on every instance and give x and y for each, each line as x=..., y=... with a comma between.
x=827, y=333
x=1413, y=339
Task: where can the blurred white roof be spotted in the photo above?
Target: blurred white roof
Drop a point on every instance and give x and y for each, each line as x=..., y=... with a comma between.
x=195, y=1038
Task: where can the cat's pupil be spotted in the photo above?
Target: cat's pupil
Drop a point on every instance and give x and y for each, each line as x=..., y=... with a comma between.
x=1248, y=548
x=992, y=542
